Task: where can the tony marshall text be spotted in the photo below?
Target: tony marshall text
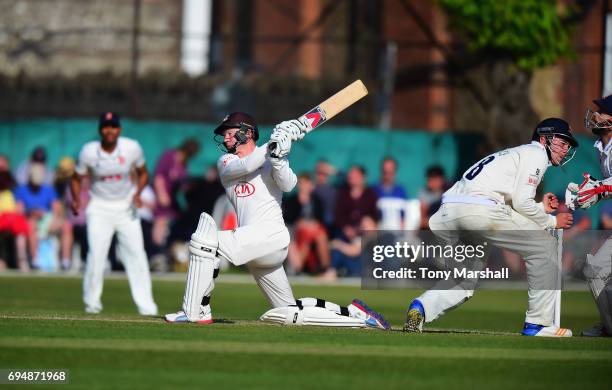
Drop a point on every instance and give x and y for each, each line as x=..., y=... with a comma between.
x=424, y=273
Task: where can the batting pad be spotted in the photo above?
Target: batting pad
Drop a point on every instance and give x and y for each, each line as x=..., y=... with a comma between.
x=310, y=316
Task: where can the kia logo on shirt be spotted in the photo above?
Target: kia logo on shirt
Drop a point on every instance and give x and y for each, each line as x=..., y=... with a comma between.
x=244, y=189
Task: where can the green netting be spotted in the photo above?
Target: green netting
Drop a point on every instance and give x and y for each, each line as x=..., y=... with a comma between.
x=341, y=146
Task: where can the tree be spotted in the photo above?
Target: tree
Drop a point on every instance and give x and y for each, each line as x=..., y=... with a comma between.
x=502, y=43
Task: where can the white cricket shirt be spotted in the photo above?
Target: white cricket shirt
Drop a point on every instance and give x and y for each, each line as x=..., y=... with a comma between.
x=605, y=159
x=255, y=185
x=110, y=172
x=511, y=177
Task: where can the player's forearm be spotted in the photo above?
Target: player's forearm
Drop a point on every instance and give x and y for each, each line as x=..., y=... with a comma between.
x=283, y=175
x=143, y=179
x=535, y=212
x=243, y=166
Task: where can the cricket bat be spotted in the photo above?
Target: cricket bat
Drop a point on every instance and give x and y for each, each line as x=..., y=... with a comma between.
x=331, y=107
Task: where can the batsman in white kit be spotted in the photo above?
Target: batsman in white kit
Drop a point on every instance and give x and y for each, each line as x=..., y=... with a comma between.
x=495, y=199
x=255, y=178
x=112, y=209
x=598, y=268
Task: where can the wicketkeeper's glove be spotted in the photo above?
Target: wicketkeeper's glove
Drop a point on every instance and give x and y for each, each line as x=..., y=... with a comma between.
x=588, y=193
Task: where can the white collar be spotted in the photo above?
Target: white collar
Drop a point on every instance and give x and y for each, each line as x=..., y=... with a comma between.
x=115, y=151
x=538, y=144
x=599, y=146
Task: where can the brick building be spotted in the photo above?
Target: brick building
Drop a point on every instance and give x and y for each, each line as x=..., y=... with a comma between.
x=385, y=42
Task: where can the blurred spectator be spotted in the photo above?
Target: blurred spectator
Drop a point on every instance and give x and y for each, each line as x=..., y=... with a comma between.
x=170, y=172
x=13, y=225
x=61, y=182
x=226, y=219
x=303, y=212
x=75, y=228
x=346, y=254
x=201, y=193
x=224, y=214
x=325, y=191
x=62, y=176
x=39, y=157
x=431, y=195
x=5, y=165
x=391, y=197
x=145, y=212
x=605, y=216
x=354, y=201
x=40, y=203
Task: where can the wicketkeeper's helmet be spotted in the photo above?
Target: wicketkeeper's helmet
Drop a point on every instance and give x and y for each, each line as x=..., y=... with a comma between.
x=596, y=123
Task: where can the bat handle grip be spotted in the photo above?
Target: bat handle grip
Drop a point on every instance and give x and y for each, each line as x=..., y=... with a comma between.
x=271, y=148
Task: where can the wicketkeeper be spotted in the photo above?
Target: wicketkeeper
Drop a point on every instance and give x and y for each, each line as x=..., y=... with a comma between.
x=598, y=269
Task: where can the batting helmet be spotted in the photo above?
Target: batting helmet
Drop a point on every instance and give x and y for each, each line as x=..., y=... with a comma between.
x=239, y=120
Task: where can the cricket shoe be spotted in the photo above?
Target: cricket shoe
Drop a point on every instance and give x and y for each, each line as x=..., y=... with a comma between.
x=545, y=331
x=92, y=310
x=597, y=330
x=415, y=317
x=372, y=318
x=205, y=317
x=148, y=312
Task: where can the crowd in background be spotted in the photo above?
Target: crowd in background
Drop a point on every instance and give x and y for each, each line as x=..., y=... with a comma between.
x=330, y=210
x=327, y=214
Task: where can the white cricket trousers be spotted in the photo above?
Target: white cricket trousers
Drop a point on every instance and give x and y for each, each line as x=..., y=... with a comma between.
x=104, y=218
x=263, y=249
x=503, y=227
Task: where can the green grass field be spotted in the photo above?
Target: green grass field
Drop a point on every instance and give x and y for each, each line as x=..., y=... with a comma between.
x=42, y=326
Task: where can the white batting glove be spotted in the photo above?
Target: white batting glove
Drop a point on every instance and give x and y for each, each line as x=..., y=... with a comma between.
x=282, y=142
x=294, y=128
